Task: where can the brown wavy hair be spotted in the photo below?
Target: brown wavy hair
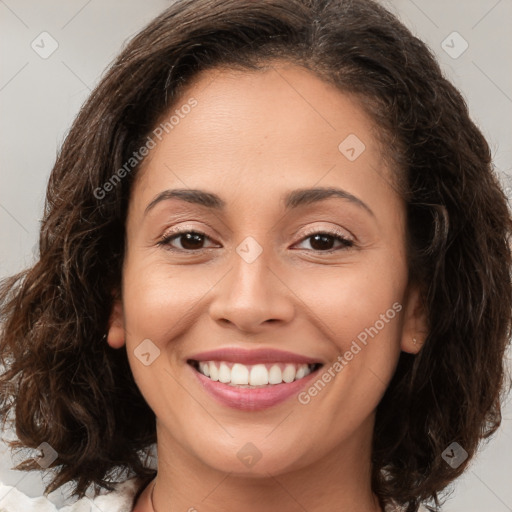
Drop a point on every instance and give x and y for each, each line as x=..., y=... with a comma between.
x=62, y=383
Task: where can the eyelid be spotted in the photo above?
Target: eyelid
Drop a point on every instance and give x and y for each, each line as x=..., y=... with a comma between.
x=329, y=231
x=180, y=229
x=188, y=225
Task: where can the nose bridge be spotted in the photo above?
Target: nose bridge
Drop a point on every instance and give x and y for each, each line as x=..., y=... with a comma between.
x=252, y=295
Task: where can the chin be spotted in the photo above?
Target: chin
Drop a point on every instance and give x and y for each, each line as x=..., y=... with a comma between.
x=255, y=460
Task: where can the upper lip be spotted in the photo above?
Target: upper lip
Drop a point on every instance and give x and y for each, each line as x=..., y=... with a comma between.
x=254, y=356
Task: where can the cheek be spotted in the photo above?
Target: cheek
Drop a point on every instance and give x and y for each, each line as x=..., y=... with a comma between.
x=359, y=311
x=160, y=302
x=346, y=302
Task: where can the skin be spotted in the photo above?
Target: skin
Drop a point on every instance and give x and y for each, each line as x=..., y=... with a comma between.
x=253, y=136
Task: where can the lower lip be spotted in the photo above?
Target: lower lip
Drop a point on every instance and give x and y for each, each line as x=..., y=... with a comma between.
x=252, y=399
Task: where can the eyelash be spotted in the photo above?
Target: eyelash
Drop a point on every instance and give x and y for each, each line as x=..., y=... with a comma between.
x=337, y=235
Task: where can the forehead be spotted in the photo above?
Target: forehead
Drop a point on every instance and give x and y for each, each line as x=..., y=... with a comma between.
x=260, y=132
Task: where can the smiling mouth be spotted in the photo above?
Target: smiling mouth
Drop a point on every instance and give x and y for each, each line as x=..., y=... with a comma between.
x=253, y=376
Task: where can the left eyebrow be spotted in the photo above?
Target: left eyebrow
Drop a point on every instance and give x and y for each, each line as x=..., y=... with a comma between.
x=293, y=199
x=304, y=196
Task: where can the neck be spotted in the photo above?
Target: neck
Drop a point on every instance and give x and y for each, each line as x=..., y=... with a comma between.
x=340, y=480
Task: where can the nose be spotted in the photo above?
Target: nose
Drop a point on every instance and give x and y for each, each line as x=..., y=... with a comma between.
x=252, y=297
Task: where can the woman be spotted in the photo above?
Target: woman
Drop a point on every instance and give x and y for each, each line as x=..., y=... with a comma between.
x=273, y=245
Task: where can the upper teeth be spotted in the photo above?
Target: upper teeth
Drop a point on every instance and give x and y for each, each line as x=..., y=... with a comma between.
x=238, y=374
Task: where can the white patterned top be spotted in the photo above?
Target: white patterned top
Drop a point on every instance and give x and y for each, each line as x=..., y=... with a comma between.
x=119, y=500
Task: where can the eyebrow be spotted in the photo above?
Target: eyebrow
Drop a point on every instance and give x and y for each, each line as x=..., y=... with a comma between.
x=293, y=199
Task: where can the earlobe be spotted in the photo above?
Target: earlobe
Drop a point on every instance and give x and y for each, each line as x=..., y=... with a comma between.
x=415, y=326
x=116, y=332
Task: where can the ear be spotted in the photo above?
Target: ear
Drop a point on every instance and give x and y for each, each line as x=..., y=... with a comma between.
x=116, y=332
x=415, y=324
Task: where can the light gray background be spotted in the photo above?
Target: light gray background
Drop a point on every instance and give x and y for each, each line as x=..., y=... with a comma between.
x=40, y=97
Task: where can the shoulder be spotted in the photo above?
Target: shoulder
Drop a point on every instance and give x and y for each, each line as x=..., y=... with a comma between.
x=396, y=508
x=118, y=500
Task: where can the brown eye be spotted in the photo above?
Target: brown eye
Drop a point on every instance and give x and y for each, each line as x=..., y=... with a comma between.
x=187, y=240
x=324, y=241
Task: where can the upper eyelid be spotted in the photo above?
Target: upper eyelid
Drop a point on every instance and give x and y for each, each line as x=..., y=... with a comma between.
x=343, y=233
x=317, y=229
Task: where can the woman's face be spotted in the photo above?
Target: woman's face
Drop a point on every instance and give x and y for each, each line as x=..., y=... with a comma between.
x=298, y=259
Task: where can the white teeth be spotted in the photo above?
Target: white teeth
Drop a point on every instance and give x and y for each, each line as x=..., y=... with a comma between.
x=237, y=374
x=205, y=368
x=259, y=375
x=301, y=372
x=224, y=373
x=289, y=373
x=214, y=371
x=275, y=375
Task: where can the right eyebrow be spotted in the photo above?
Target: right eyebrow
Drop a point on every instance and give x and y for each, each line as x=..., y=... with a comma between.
x=191, y=196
